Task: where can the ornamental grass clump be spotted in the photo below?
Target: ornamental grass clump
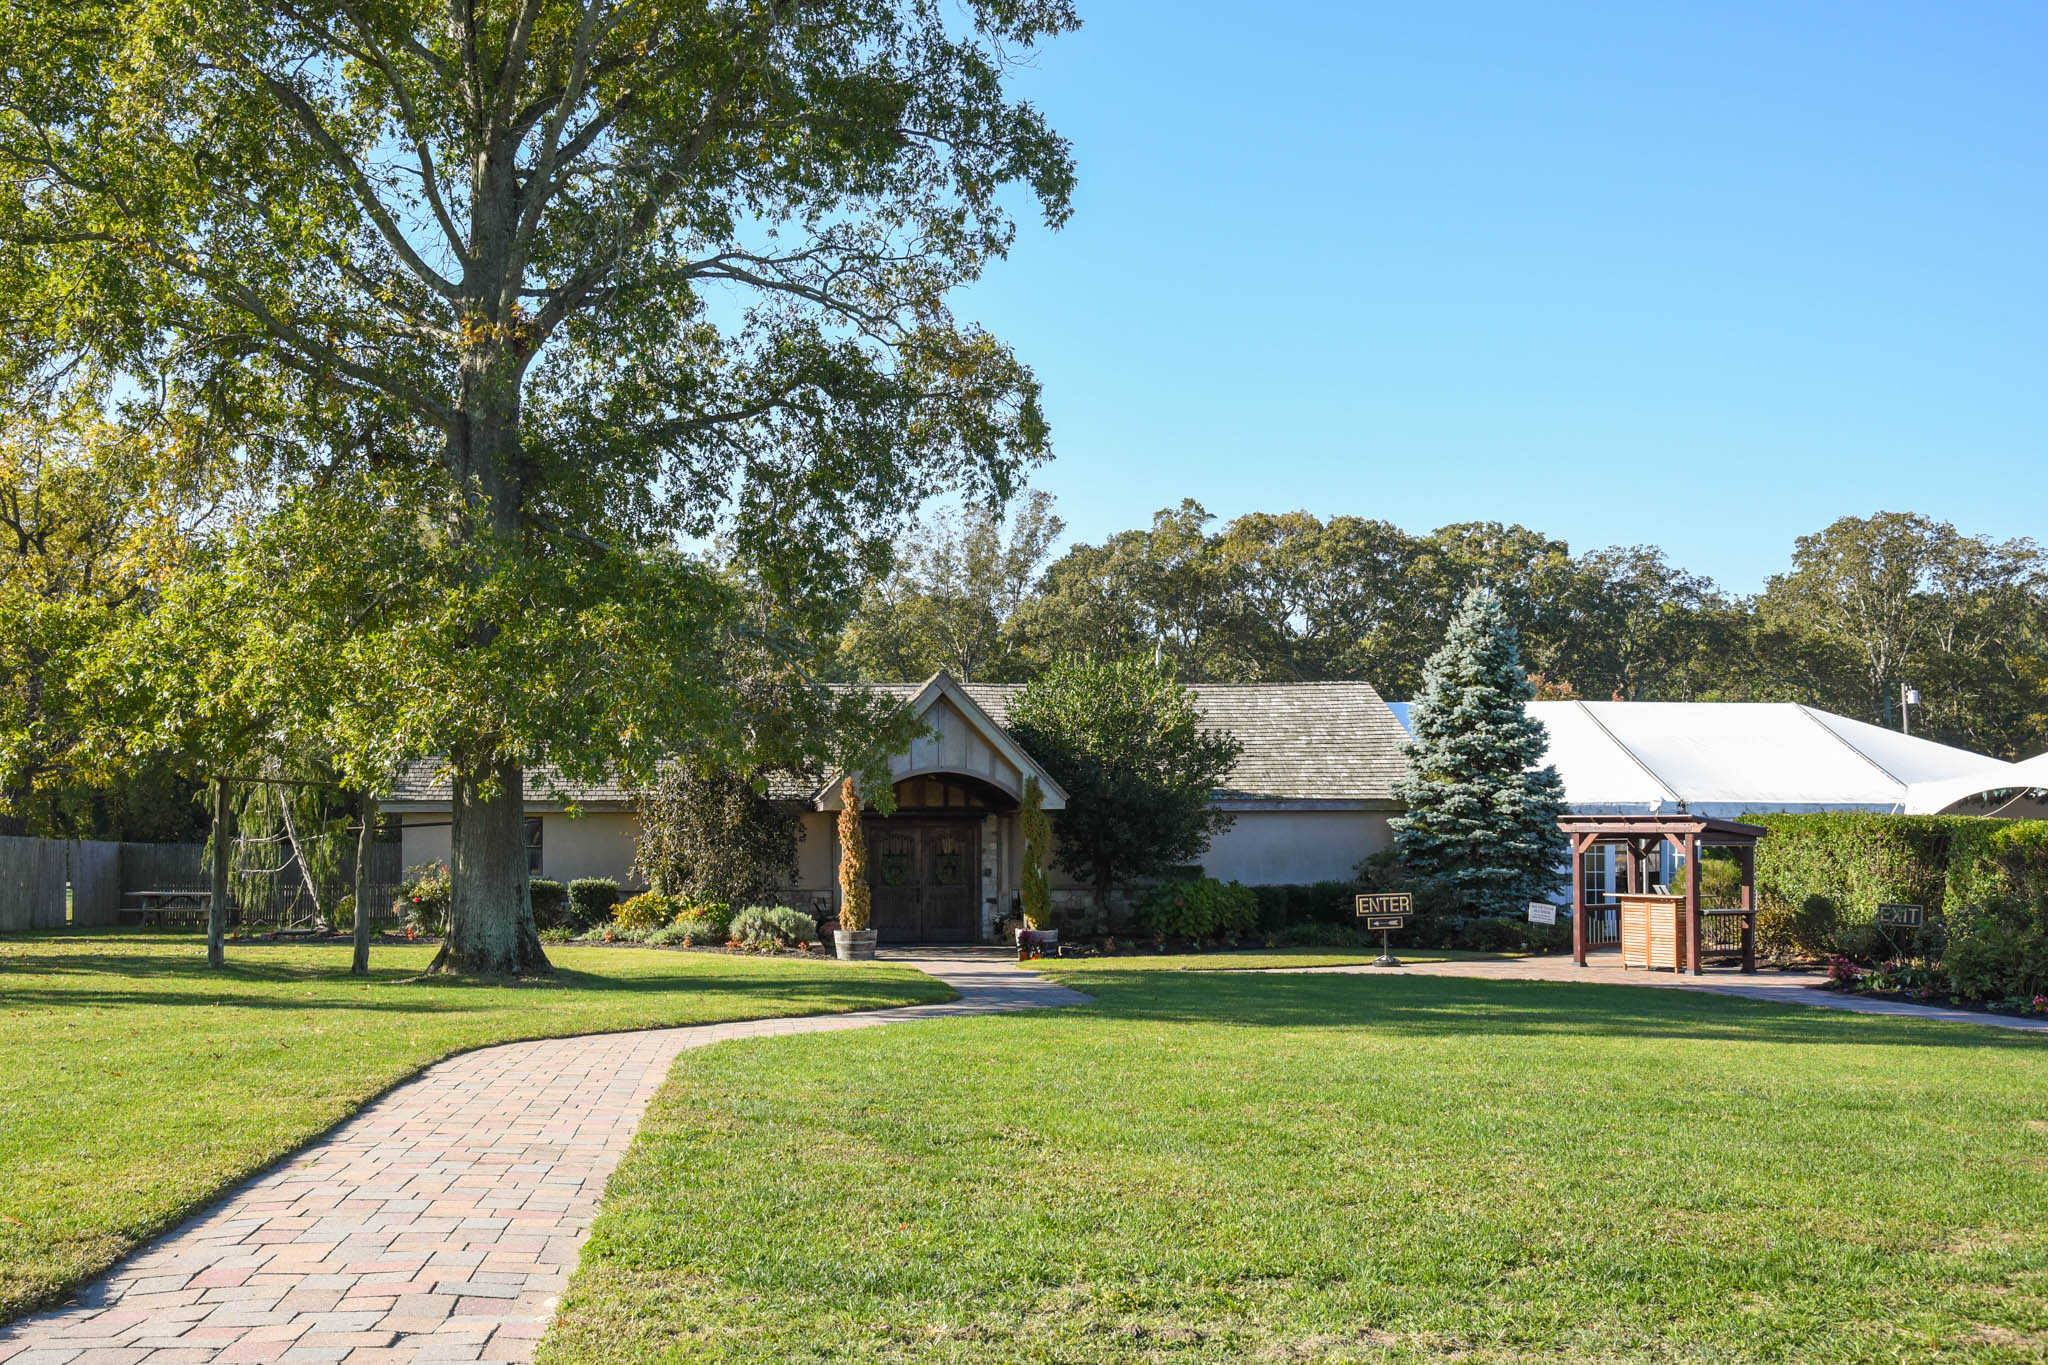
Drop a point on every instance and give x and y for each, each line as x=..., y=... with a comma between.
x=855, y=912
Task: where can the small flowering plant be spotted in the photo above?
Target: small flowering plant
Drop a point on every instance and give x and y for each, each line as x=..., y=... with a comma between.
x=423, y=900
x=2041, y=1004
x=1844, y=974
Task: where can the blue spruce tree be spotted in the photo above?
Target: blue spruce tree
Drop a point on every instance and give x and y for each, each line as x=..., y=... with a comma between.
x=1482, y=818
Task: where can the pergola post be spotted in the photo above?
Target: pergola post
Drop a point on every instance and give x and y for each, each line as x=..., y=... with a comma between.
x=1580, y=843
x=1695, y=922
x=1746, y=858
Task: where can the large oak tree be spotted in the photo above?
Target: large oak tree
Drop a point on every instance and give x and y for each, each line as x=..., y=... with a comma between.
x=566, y=285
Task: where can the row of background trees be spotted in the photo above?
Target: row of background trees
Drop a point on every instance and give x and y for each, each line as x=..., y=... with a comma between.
x=1865, y=605
x=89, y=546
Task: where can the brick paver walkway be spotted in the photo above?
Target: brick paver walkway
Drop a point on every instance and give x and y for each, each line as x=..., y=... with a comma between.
x=1790, y=988
x=440, y=1223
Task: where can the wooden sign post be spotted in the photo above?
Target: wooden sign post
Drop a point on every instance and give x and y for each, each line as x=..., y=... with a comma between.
x=1386, y=912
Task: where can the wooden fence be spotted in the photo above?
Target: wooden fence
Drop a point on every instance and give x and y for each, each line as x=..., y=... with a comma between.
x=33, y=884
x=39, y=876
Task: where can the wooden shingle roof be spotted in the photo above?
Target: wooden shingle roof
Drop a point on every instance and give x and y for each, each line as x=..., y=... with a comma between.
x=1324, y=741
x=1303, y=742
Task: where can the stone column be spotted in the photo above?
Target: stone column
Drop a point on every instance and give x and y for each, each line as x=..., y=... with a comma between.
x=994, y=893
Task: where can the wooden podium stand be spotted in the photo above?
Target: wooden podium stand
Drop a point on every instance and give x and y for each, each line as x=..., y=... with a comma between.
x=1654, y=931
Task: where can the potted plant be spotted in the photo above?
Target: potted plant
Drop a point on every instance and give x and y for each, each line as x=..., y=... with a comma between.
x=1037, y=932
x=853, y=940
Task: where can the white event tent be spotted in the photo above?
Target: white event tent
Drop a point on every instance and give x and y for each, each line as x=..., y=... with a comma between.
x=1722, y=759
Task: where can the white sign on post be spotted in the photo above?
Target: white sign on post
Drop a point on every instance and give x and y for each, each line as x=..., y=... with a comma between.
x=1542, y=912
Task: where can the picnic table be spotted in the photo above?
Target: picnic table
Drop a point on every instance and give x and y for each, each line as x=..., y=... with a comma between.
x=166, y=904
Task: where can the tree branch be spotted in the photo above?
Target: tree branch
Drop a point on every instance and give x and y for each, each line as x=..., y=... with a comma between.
x=309, y=118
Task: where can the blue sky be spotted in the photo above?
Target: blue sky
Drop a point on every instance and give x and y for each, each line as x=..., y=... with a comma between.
x=1707, y=276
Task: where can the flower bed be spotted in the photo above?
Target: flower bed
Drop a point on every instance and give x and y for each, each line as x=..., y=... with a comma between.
x=1921, y=983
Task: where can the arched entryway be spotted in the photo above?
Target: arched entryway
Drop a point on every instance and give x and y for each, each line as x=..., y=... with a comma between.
x=925, y=859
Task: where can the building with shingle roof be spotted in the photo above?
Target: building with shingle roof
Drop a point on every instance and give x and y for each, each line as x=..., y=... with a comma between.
x=1311, y=795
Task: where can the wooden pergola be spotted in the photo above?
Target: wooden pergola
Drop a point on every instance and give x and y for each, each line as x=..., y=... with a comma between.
x=1638, y=836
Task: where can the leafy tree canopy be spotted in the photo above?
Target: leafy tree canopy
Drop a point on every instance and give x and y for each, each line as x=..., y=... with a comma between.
x=1126, y=742
x=547, y=288
x=951, y=595
x=92, y=527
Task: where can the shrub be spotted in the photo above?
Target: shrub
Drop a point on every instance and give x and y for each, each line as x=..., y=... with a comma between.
x=1814, y=926
x=712, y=921
x=1507, y=934
x=1319, y=935
x=591, y=900
x=547, y=902
x=700, y=931
x=773, y=924
x=714, y=834
x=647, y=911
x=1199, y=909
x=1304, y=903
x=423, y=899
x=1720, y=881
x=671, y=935
x=343, y=916
x=560, y=933
x=1998, y=951
x=614, y=932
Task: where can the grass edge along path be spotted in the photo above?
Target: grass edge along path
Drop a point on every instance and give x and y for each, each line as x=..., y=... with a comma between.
x=137, y=1087
x=1220, y=1167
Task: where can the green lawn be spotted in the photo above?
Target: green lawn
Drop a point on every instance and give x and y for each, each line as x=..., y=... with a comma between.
x=1260, y=959
x=134, y=1083
x=1206, y=1167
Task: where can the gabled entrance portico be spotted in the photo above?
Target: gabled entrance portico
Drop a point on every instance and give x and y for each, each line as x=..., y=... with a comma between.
x=945, y=865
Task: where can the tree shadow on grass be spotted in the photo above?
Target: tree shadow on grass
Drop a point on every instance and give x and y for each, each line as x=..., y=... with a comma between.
x=59, y=976
x=1446, y=1006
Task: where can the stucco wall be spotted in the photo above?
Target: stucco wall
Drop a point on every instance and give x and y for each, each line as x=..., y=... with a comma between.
x=424, y=839
x=1263, y=847
x=586, y=846
x=1268, y=847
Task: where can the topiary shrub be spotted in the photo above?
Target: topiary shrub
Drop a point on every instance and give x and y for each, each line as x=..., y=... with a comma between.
x=1036, y=893
x=855, y=910
x=774, y=924
x=1199, y=909
x=592, y=899
x=548, y=899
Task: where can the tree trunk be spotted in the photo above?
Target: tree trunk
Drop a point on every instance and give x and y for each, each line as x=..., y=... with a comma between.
x=490, y=911
x=490, y=914
x=366, y=808
x=217, y=904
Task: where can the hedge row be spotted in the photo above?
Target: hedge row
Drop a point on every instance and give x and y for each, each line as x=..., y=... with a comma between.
x=1857, y=860
x=1983, y=883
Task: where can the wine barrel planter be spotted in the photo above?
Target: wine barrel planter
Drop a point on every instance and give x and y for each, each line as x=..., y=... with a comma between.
x=854, y=945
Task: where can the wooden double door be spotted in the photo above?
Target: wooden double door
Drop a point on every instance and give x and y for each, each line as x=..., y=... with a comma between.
x=925, y=879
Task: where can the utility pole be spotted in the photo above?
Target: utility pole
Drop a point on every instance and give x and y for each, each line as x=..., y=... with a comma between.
x=1909, y=697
